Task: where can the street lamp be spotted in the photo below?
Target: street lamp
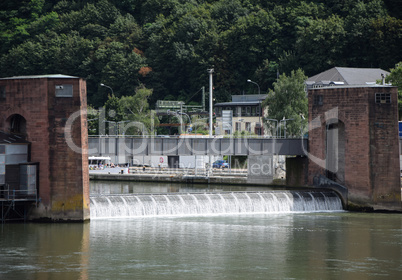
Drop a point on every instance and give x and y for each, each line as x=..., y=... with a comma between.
x=259, y=93
x=103, y=85
x=182, y=113
x=250, y=81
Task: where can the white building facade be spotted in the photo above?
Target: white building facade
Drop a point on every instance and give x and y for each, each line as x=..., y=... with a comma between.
x=243, y=113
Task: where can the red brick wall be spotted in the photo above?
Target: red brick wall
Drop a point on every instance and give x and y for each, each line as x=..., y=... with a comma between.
x=371, y=156
x=384, y=149
x=63, y=179
x=27, y=97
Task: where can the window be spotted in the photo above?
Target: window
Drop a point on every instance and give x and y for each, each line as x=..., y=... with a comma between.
x=248, y=110
x=318, y=100
x=383, y=98
x=64, y=90
x=253, y=111
x=248, y=127
x=238, y=110
x=238, y=126
x=218, y=111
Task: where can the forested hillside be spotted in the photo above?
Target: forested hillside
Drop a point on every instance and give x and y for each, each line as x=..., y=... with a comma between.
x=168, y=45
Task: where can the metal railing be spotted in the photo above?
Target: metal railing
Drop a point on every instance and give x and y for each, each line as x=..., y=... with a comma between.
x=7, y=194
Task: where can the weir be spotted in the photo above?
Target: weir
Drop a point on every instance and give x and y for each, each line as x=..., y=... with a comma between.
x=142, y=205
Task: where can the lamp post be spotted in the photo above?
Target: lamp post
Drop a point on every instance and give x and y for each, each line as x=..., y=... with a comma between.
x=250, y=81
x=301, y=125
x=182, y=113
x=259, y=93
x=103, y=85
x=210, y=71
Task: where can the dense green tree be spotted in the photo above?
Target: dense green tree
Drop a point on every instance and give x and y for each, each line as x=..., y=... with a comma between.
x=169, y=45
x=395, y=78
x=319, y=44
x=386, y=41
x=113, y=110
x=247, y=44
x=287, y=100
x=139, y=119
x=358, y=49
x=93, y=119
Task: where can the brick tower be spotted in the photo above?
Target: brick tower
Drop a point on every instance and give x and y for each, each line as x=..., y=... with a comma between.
x=353, y=140
x=50, y=112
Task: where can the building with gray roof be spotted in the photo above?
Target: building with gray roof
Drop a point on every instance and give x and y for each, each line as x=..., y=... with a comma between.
x=342, y=76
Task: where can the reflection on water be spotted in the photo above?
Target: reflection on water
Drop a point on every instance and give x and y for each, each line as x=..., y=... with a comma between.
x=270, y=246
x=338, y=245
x=44, y=251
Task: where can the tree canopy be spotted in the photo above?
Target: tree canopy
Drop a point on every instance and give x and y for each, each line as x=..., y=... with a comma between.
x=287, y=103
x=169, y=45
x=128, y=115
x=395, y=78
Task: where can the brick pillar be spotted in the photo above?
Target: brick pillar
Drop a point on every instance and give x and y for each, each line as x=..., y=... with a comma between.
x=367, y=154
x=47, y=103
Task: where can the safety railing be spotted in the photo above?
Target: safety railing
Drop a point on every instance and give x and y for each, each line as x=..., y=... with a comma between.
x=8, y=194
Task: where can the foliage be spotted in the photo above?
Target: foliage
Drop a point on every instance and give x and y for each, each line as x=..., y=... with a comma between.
x=169, y=45
x=288, y=100
x=93, y=118
x=128, y=114
x=395, y=78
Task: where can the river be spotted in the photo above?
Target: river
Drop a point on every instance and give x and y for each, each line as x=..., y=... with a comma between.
x=292, y=245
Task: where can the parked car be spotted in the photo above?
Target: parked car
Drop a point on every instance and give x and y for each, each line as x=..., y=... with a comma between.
x=220, y=164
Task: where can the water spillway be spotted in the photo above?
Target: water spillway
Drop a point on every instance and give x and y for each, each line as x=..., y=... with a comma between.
x=140, y=205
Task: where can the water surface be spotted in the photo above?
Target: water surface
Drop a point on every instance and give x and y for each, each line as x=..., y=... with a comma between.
x=309, y=245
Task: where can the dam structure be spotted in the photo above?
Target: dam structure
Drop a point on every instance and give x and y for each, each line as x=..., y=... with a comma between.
x=352, y=148
x=184, y=204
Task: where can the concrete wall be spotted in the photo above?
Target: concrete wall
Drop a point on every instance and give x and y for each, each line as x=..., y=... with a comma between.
x=367, y=147
x=63, y=173
x=297, y=171
x=260, y=169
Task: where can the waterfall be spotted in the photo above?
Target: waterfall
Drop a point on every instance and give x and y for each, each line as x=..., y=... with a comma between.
x=140, y=205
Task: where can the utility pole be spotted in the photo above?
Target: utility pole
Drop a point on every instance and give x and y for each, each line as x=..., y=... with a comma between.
x=210, y=71
x=203, y=99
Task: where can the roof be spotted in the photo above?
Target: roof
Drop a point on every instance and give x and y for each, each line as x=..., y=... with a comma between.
x=349, y=76
x=244, y=100
x=6, y=138
x=50, y=76
x=243, y=103
x=248, y=97
x=353, y=86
